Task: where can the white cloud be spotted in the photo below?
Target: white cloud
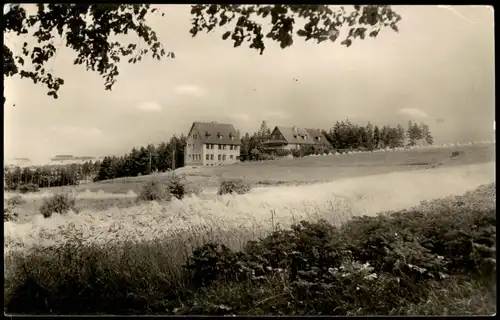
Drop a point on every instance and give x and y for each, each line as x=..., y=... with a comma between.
x=76, y=131
x=277, y=115
x=150, y=106
x=413, y=112
x=241, y=117
x=190, y=90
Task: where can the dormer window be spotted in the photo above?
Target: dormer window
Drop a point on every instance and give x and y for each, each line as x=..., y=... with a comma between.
x=219, y=135
x=231, y=136
x=318, y=138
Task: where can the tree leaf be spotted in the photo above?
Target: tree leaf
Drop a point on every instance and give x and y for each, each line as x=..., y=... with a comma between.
x=226, y=35
x=301, y=33
x=347, y=42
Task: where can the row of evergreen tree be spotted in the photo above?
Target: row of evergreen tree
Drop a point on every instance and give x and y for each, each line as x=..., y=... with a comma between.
x=348, y=136
x=144, y=160
x=49, y=175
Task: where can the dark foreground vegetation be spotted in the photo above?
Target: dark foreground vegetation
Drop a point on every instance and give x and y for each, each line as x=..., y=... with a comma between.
x=437, y=259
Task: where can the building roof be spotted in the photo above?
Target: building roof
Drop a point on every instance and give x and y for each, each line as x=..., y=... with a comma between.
x=211, y=131
x=293, y=135
x=63, y=157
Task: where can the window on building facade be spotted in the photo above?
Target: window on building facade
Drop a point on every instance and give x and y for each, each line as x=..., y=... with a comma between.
x=223, y=157
x=231, y=147
x=211, y=157
x=207, y=157
x=220, y=147
x=218, y=157
x=231, y=157
x=195, y=136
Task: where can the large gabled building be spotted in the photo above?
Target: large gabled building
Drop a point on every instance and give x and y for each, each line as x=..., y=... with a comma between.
x=294, y=137
x=211, y=144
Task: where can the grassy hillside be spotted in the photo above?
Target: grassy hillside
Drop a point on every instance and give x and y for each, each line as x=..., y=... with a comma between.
x=435, y=259
x=312, y=169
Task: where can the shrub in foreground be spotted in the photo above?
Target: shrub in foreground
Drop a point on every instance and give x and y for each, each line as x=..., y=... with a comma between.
x=154, y=191
x=14, y=201
x=9, y=207
x=175, y=185
x=381, y=265
x=179, y=186
x=237, y=186
x=28, y=187
x=60, y=203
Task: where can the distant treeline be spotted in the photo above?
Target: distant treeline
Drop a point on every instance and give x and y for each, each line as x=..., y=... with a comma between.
x=145, y=160
x=347, y=136
x=49, y=175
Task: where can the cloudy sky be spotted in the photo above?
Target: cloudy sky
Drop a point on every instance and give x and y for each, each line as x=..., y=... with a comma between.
x=439, y=66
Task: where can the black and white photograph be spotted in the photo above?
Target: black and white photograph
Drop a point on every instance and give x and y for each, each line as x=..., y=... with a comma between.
x=249, y=160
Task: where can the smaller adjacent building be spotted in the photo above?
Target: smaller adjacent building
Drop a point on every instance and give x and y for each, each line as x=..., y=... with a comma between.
x=69, y=159
x=18, y=162
x=290, y=138
x=211, y=144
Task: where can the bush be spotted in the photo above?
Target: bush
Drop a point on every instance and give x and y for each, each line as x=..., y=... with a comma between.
x=9, y=205
x=296, y=153
x=59, y=203
x=179, y=186
x=233, y=186
x=14, y=201
x=175, y=185
x=154, y=191
x=279, y=153
x=29, y=187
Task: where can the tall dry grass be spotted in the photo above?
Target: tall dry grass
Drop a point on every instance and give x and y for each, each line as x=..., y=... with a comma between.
x=235, y=219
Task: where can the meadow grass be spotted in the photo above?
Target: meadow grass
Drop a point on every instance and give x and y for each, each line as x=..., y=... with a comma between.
x=135, y=258
x=420, y=261
x=309, y=169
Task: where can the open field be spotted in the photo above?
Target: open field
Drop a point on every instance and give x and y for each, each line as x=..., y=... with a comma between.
x=311, y=169
x=122, y=192
x=256, y=211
